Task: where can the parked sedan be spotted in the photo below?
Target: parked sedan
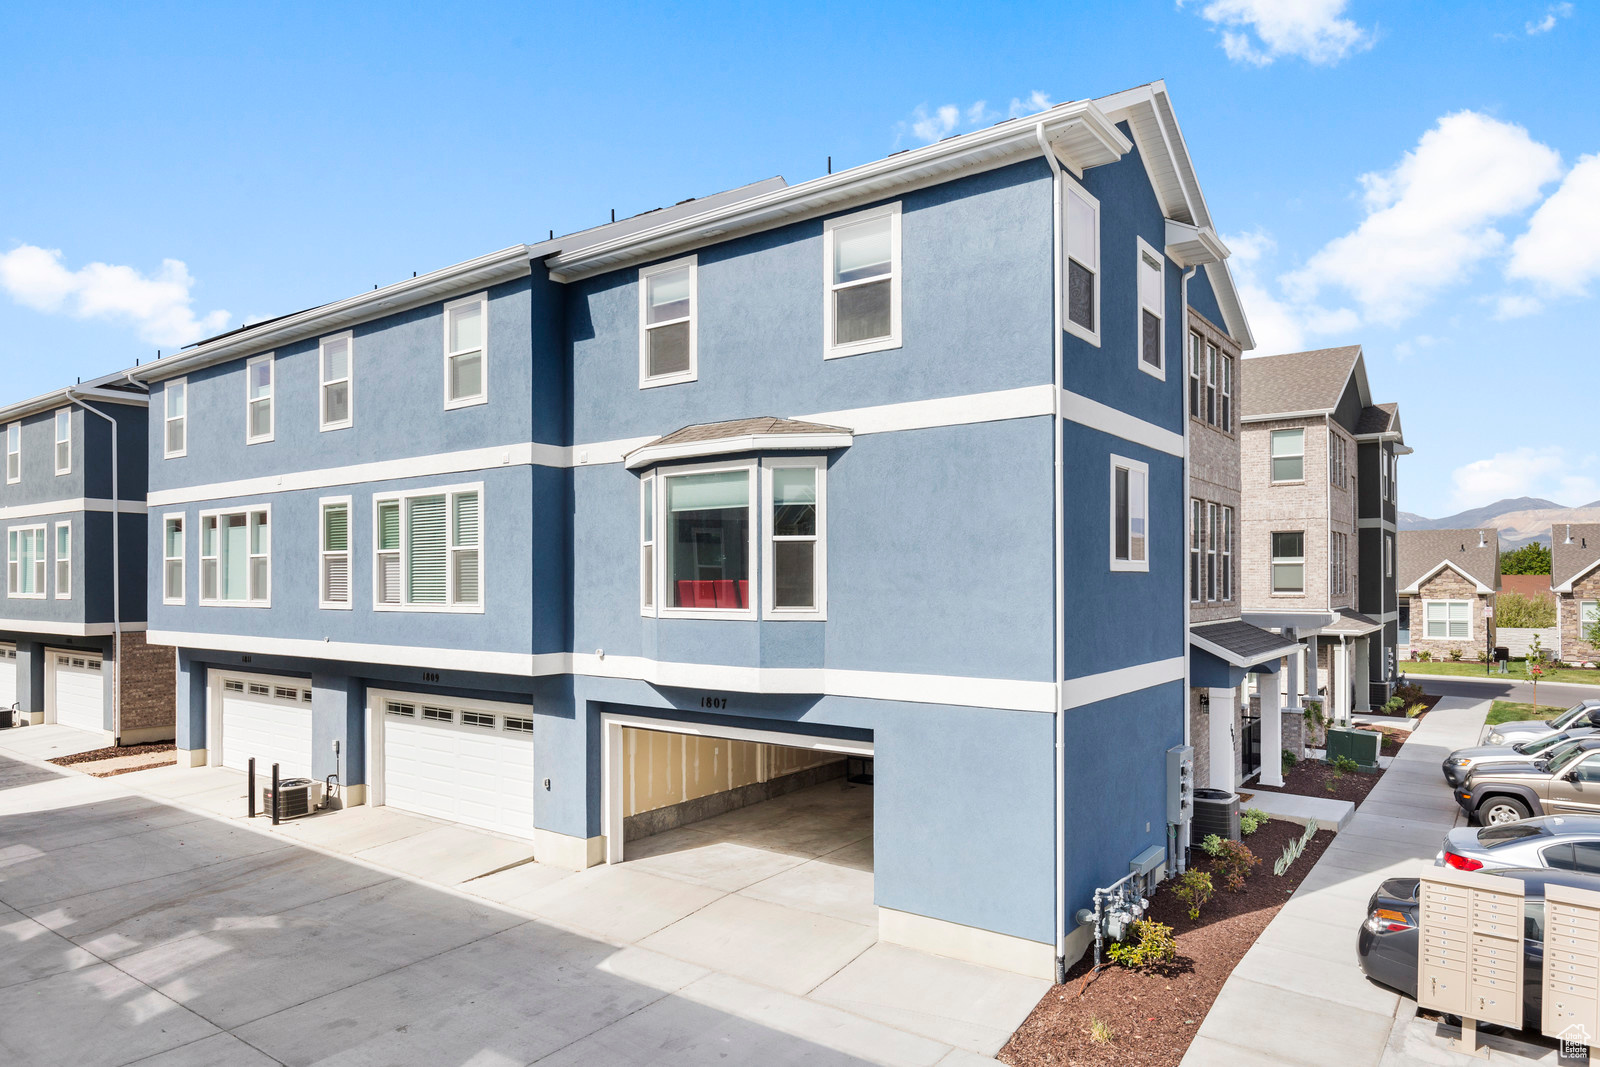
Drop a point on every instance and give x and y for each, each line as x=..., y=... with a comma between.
x=1463, y=761
x=1386, y=946
x=1583, y=713
x=1564, y=842
x=1567, y=783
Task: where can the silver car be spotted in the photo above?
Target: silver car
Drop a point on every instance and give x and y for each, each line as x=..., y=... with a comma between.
x=1583, y=713
x=1564, y=842
x=1463, y=761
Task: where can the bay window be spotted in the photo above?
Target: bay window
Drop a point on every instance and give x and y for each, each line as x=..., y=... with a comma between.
x=1447, y=619
x=795, y=558
x=861, y=255
x=1288, y=455
x=707, y=534
x=25, y=561
x=172, y=546
x=1289, y=563
x=667, y=332
x=236, y=557
x=1130, y=512
x=429, y=550
x=647, y=545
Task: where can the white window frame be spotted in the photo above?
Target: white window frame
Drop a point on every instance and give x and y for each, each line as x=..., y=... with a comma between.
x=272, y=536
x=67, y=411
x=168, y=418
x=1226, y=591
x=1276, y=560
x=646, y=380
x=1584, y=611
x=1197, y=376
x=752, y=549
x=55, y=550
x=1213, y=555
x=1388, y=555
x=482, y=396
x=647, y=545
x=896, y=271
x=1133, y=466
x=13, y=451
x=14, y=561
x=1197, y=549
x=450, y=605
x=323, y=553
x=819, y=559
x=271, y=399
x=1069, y=187
x=167, y=560
x=1445, y=605
x=1145, y=248
x=1272, y=435
x=1225, y=392
x=349, y=381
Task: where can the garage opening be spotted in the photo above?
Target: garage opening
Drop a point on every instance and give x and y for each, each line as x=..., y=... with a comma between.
x=75, y=689
x=684, y=787
x=267, y=718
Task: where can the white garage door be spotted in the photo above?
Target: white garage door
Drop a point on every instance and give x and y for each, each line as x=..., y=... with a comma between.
x=8, y=675
x=469, y=764
x=269, y=719
x=79, y=691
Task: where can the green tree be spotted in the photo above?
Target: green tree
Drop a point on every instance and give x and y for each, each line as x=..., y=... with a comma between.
x=1532, y=558
x=1515, y=610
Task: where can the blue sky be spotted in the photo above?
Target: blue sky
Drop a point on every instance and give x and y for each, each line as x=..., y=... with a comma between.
x=1410, y=177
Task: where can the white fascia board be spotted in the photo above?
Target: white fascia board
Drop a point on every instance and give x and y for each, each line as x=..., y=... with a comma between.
x=1227, y=295
x=1566, y=586
x=1284, y=415
x=724, y=446
x=1228, y=656
x=501, y=266
x=59, y=398
x=66, y=629
x=1193, y=246
x=1411, y=590
x=1093, y=688
x=1079, y=132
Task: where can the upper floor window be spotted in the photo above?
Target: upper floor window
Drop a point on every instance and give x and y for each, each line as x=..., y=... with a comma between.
x=796, y=558
x=172, y=551
x=1225, y=390
x=1152, y=310
x=14, y=453
x=236, y=557
x=1227, y=553
x=333, y=357
x=1339, y=564
x=706, y=532
x=26, y=549
x=1288, y=455
x=647, y=545
x=1394, y=477
x=334, y=591
x=1336, y=458
x=1081, y=214
x=64, y=441
x=466, y=344
x=175, y=395
x=429, y=550
x=667, y=331
x=1130, y=512
x=861, y=255
x=260, y=379
x=63, y=561
x=1289, y=562
x=1388, y=555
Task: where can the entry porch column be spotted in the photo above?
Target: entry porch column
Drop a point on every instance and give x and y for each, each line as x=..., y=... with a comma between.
x=1267, y=685
x=1220, y=733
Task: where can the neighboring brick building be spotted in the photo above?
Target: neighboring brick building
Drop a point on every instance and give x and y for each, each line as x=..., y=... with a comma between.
x=1575, y=580
x=1447, y=578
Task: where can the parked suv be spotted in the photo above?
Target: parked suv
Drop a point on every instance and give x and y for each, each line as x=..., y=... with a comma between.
x=1565, y=842
x=1464, y=761
x=1583, y=713
x=1566, y=783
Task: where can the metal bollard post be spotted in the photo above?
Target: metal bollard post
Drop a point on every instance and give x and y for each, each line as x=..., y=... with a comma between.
x=276, y=793
x=250, y=792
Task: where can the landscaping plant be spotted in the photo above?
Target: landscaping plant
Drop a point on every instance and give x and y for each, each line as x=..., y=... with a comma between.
x=1289, y=760
x=1294, y=849
x=1343, y=765
x=1455, y=655
x=1211, y=845
x=1233, y=861
x=1151, y=944
x=1100, y=1031
x=1251, y=820
x=1515, y=611
x=1194, y=889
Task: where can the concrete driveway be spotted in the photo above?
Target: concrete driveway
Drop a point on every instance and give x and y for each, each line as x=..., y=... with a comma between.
x=134, y=930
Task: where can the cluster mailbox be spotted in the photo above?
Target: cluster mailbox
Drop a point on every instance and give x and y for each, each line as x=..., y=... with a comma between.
x=1571, y=951
x=1470, y=959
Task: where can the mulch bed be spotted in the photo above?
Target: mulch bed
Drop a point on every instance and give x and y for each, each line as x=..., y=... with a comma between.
x=130, y=770
x=1154, y=1016
x=1428, y=701
x=96, y=754
x=1311, y=778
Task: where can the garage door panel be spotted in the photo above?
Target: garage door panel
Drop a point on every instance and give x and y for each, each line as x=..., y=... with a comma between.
x=459, y=771
x=270, y=729
x=79, y=691
x=8, y=675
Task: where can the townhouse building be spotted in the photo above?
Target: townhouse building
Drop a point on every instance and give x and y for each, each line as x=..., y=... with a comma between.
x=880, y=477
x=72, y=641
x=1448, y=581
x=1575, y=582
x=1320, y=485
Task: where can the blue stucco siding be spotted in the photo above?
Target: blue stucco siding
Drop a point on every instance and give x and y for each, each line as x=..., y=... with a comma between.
x=94, y=444
x=90, y=600
x=398, y=399
x=1110, y=373
x=1204, y=300
x=976, y=311
x=1208, y=672
x=1120, y=618
x=39, y=482
x=1116, y=785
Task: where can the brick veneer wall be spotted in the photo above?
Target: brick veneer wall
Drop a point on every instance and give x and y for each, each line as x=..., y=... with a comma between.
x=1199, y=738
x=1214, y=474
x=148, y=678
x=1308, y=507
x=1449, y=585
x=1574, y=649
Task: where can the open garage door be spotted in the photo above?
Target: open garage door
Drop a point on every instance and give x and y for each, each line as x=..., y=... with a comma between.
x=464, y=761
x=661, y=774
x=75, y=689
x=267, y=718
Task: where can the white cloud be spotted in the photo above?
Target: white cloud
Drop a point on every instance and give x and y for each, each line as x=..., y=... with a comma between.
x=1275, y=325
x=1550, y=472
x=1035, y=101
x=938, y=123
x=931, y=127
x=1552, y=14
x=159, y=306
x=1260, y=31
x=1560, y=252
x=1429, y=219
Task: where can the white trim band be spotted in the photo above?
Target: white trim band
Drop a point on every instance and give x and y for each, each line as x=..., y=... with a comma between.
x=1093, y=688
x=518, y=664
x=71, y=505
x=66, y=629
x=1098, y=416
x=1375, y=524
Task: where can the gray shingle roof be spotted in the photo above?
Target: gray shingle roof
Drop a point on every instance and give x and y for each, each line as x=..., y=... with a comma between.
x=1297, y=381
x=1419, y=551
x=716, y=431
x=1570, y=560
x=1346, y=621
x=1248, y=644
x=1377, y=418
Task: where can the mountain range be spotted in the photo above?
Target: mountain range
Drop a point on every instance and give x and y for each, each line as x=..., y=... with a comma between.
x=1519, y=519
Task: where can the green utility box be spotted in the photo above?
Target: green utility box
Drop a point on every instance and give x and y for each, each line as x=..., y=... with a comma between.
x=1362, y=746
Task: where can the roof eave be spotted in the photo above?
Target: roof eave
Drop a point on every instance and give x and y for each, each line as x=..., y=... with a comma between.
x=1228, y=656
x=61, y=397
x=652, y=454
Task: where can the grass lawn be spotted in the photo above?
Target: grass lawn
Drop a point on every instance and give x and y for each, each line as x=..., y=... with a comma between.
x=1511, y=711
x=1514, y=672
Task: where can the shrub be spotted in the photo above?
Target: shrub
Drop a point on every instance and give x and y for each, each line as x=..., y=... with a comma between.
x=1408, y=692
x=1100, y=1031
x=1343, y=765
x=1294, y=849
x=1212, y=845
x=1233, y=862
x=1483, y=657
x=1289, y=760
x=1393, y=705
x=1151, y=945
x=1251, y=820
x=1425, y=656
x=1194, y=889
x=1518, y=612
x=1416, y=709
x=1455, y=655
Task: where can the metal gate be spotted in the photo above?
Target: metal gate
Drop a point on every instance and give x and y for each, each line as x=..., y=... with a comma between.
x=1249, y=744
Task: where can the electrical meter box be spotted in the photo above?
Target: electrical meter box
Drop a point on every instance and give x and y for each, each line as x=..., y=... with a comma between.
x=1180, y=784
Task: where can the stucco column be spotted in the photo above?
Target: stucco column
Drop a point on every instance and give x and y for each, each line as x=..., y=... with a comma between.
x=1339, y=682
x=1220, y=732
x=1267, y=685
x=189, y=698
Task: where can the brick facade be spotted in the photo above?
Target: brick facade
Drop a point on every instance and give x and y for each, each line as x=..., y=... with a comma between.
x=1449, y=584
x=1313, y=507
x=148, y=678
x=1574, y=648
x=1214, y=472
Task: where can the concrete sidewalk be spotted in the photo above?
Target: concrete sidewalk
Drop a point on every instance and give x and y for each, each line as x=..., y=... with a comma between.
x=1298, y=996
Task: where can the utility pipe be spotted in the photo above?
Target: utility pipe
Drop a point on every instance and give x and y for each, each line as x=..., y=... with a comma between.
x=1178, y=859
x=116, y=569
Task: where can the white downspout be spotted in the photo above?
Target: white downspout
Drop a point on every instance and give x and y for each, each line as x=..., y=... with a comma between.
x=1057, y=248
x=116, y=570
x=1177, y=862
